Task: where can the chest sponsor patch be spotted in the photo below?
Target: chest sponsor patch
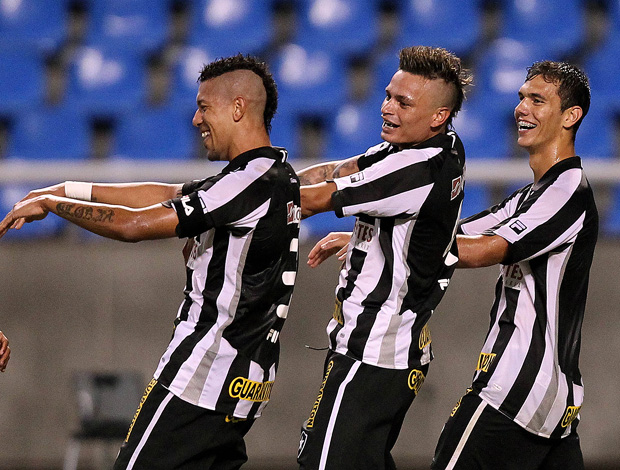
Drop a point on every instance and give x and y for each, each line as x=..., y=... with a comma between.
x=512, y=276
x=363, y=234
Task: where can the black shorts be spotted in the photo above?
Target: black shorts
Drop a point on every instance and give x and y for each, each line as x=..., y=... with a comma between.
x=477, y=436
x=168, y=433
x=357, y=415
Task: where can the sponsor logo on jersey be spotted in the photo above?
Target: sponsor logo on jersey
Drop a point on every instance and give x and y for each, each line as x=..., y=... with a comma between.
x=425, y=337
x=317, y=402
x=513, y=276
x=337, y=315
x=415, y=380
x=246, y=389
x=293, y=215
x=457, y=187
x=518, y=227
x=484, y=361
x=147, y=392
x=363, y=234
x=569, y=416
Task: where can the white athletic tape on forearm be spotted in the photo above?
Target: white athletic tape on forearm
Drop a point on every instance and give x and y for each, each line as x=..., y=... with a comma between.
x=79, y=190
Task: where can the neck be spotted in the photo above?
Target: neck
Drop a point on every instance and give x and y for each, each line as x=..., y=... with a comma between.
x=543, y=159
x=248, y=140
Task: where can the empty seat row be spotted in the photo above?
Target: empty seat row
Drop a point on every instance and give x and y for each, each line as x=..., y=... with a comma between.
x=348, y=26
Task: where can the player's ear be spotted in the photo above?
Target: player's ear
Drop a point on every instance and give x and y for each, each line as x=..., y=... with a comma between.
x=239, y=108
x=440, y=117
x=571, y=116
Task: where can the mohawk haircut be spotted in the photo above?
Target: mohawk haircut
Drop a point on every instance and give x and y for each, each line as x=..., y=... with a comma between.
x=435, y=63
x=253, y=64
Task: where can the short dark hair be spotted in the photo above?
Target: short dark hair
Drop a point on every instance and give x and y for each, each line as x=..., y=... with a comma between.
x=434, y=63
x=241, y=62
x=573, y=85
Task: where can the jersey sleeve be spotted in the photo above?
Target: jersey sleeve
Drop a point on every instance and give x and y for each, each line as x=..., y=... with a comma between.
x=543, y=223
x=236, y=200
x=395, y=185
x=479, y=223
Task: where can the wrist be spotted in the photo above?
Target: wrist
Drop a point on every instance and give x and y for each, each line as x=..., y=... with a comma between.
x=79, y=190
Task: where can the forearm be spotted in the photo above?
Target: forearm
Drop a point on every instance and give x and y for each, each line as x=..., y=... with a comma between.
x=115, y=221
x=316, y=198
x=134, y=194
x=479, y=251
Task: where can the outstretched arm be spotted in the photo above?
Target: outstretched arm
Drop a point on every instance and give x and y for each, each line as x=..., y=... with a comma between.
x=125, y=194
x=110, y=221
x=478, y=251
x=5, y=351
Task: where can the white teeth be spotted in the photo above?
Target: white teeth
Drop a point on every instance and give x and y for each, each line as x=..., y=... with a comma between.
x=205, y=134
x=389, y=124
x=526, y=125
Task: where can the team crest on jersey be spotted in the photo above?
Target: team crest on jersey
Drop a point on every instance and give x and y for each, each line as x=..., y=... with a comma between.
x=457, y=187
x=513, y=276
x=363, y=234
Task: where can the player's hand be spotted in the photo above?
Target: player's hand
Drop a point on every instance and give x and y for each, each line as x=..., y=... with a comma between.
x=334, y=243
x=28, y=211
x=5, y=351
x=56, y=190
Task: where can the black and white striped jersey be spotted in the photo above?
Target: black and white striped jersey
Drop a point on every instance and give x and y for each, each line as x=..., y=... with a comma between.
x=241, y=271
x=529, y=365
x=399, y=261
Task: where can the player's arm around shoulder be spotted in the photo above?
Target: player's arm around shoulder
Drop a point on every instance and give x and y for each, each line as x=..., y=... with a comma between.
x=478, y=251
x=5, y=351
x=317, y=185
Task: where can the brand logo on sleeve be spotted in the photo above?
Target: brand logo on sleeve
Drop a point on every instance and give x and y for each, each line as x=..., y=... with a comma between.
x=187, y=208
x=293, y=213
x=357, y=177
x=518, y=227
x=457, y=187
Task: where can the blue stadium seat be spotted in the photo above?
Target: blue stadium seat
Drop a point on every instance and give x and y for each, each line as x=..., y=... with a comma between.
x=349, y=27
x=286, y=132
x=596, y=134
x=49, y=227
x=319, y=225
x=38, y=24
x=310, y=81
x=484, y=128
x=159, y=133
x=22, y=80
x=140, y=24
x=52, y=132
x=355, y=127
x=501, y=71
x=557, y=27
x=603, y=69
x=231, y=26
x=477, y=198
x=106, y=81
x=610, y=220
x=436, y=23
x=185, y=70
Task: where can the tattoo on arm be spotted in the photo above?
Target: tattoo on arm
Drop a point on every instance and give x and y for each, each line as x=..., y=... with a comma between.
x=348, y=167
x=76, y=211
x=315, y=175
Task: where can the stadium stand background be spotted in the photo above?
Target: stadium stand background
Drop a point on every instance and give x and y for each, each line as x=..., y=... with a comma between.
x=104, y=90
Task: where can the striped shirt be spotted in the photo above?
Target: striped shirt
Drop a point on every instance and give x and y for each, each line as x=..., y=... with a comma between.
x=529, y=365
x=224, y=351
x=398, y=262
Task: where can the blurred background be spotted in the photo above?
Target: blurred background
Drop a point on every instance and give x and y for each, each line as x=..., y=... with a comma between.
x=104, y=90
